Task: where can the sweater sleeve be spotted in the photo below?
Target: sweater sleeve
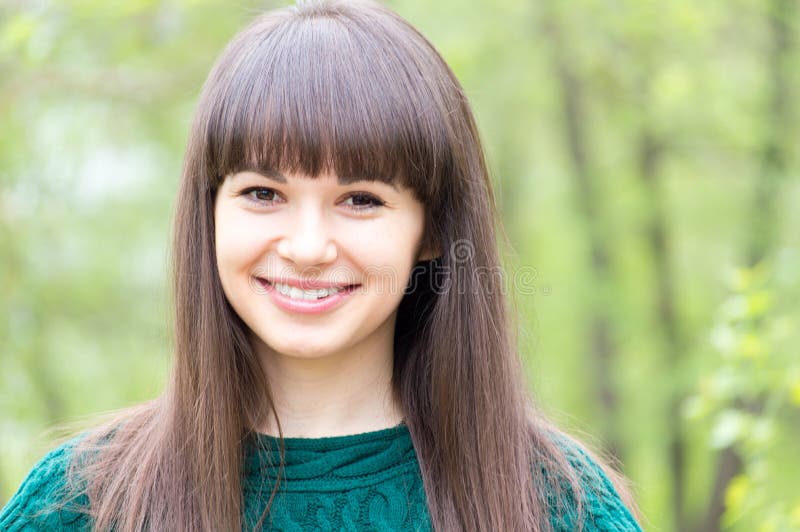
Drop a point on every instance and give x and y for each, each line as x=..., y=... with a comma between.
x=602, y=507
x=39, y=503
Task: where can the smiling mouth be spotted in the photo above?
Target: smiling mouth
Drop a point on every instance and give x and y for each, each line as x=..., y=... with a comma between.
x=316, y=294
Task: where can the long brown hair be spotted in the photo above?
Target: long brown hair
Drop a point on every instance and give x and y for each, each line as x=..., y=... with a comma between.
x=346, y=87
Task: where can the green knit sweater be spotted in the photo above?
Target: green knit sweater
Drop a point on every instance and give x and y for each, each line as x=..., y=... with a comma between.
x=368, y=481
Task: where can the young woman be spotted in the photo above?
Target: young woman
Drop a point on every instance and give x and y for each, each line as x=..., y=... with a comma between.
x=339, y=362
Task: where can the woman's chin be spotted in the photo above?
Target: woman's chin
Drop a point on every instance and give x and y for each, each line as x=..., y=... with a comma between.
x=302, y=349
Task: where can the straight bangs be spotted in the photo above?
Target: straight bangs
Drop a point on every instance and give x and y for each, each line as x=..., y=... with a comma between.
x=334, y=94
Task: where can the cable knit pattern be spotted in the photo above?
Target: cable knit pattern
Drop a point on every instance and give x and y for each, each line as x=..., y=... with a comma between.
x=39, y=504
x=368, y=481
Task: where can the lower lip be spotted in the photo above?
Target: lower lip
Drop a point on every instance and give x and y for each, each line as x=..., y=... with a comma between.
x=307, y=306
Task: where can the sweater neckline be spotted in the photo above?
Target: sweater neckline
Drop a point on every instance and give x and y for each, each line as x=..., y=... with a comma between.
x=330, y=463
x=323, y=443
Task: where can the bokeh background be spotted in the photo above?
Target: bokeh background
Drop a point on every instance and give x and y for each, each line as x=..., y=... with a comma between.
x=645, y=156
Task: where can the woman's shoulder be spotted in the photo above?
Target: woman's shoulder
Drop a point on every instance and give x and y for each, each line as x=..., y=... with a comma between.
x=603, y=506
x=42, y=501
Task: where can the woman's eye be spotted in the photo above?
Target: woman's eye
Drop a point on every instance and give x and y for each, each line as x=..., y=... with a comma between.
x=361, y=202
x=260, y=195
x=357, y=202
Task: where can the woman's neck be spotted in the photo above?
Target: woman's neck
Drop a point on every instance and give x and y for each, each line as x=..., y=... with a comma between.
x=332, y=395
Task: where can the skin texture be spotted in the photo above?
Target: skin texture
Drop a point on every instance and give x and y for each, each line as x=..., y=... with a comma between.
x=329, y=373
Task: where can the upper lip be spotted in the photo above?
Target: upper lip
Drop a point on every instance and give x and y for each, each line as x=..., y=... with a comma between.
x=305, y=284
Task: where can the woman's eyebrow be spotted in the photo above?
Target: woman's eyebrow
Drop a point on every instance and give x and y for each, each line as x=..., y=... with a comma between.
x=280, y=178
x=351, y=180
x=269, y=174
x=354, y=180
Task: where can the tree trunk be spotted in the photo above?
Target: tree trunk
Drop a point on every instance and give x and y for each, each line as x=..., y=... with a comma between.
x=649, y=168
x=600, y=330
x=765, y=221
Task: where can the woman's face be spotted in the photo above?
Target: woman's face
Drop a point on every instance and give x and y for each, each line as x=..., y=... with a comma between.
x=312, y=266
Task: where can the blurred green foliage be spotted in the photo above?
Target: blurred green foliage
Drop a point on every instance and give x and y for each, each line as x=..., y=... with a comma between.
x=750, y=399
x=641, y=151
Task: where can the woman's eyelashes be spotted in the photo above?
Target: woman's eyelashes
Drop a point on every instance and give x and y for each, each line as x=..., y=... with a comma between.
x=362, y=201
x=354, y=201
x=260, y=195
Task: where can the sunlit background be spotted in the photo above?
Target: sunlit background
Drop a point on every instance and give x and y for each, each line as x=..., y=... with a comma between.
x=645, y=156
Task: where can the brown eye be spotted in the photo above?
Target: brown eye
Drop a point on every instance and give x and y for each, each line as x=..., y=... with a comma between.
x=361, y=201
x=264, y=194
x=260, y=195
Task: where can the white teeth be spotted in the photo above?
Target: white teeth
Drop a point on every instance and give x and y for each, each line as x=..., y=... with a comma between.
x=296, y=293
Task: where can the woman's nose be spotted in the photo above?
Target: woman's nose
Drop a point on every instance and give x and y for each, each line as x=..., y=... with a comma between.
x=307, y=241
